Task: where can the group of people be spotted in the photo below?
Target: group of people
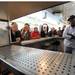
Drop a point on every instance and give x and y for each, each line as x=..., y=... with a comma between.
x=67, y=33
x=26, y=34
x=23, y=34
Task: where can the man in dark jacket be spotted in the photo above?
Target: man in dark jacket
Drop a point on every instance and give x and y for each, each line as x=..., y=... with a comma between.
x=15, y=33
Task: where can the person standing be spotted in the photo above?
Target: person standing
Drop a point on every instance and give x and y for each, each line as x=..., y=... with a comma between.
x=44, y=30
x=59, y=32
x=69, y=35
x=35, y=34
x=53, y=32
x=15, y=33
x=25, y=32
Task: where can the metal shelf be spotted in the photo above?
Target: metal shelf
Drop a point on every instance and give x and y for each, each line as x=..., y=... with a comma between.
x=31, y=61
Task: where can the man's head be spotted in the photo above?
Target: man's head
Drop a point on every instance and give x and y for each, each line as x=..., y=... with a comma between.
x=72, y=20
x=14, y=26
x=52, y=29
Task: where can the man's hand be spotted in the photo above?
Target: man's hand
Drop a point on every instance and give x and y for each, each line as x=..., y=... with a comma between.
x=18, y=40
x=69, y=34
x=72, y=36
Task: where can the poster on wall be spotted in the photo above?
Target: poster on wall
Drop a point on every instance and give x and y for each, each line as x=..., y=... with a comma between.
x=4, y=38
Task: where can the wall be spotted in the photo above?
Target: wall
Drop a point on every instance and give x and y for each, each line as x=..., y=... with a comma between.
x=67, y=9
x=3, y=15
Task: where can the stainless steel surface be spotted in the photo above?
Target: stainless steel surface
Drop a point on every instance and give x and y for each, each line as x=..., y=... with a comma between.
x=31, y=61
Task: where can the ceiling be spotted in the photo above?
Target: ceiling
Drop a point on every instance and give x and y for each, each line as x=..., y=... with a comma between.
x=15, y=10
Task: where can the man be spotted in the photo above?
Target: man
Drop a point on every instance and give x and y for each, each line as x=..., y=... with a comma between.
x=53, y=32
x=59, y=32
x=15, y=33
x=69, y=35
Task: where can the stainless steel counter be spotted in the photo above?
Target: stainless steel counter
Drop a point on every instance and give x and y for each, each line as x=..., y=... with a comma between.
x=31, y=61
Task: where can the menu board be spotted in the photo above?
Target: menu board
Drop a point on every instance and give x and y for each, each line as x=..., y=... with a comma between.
x=4, y=38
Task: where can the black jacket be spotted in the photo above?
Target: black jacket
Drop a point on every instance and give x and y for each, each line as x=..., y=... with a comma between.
x=15, y=35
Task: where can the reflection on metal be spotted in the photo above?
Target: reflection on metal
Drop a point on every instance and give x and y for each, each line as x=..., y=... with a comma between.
x=31, y=61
